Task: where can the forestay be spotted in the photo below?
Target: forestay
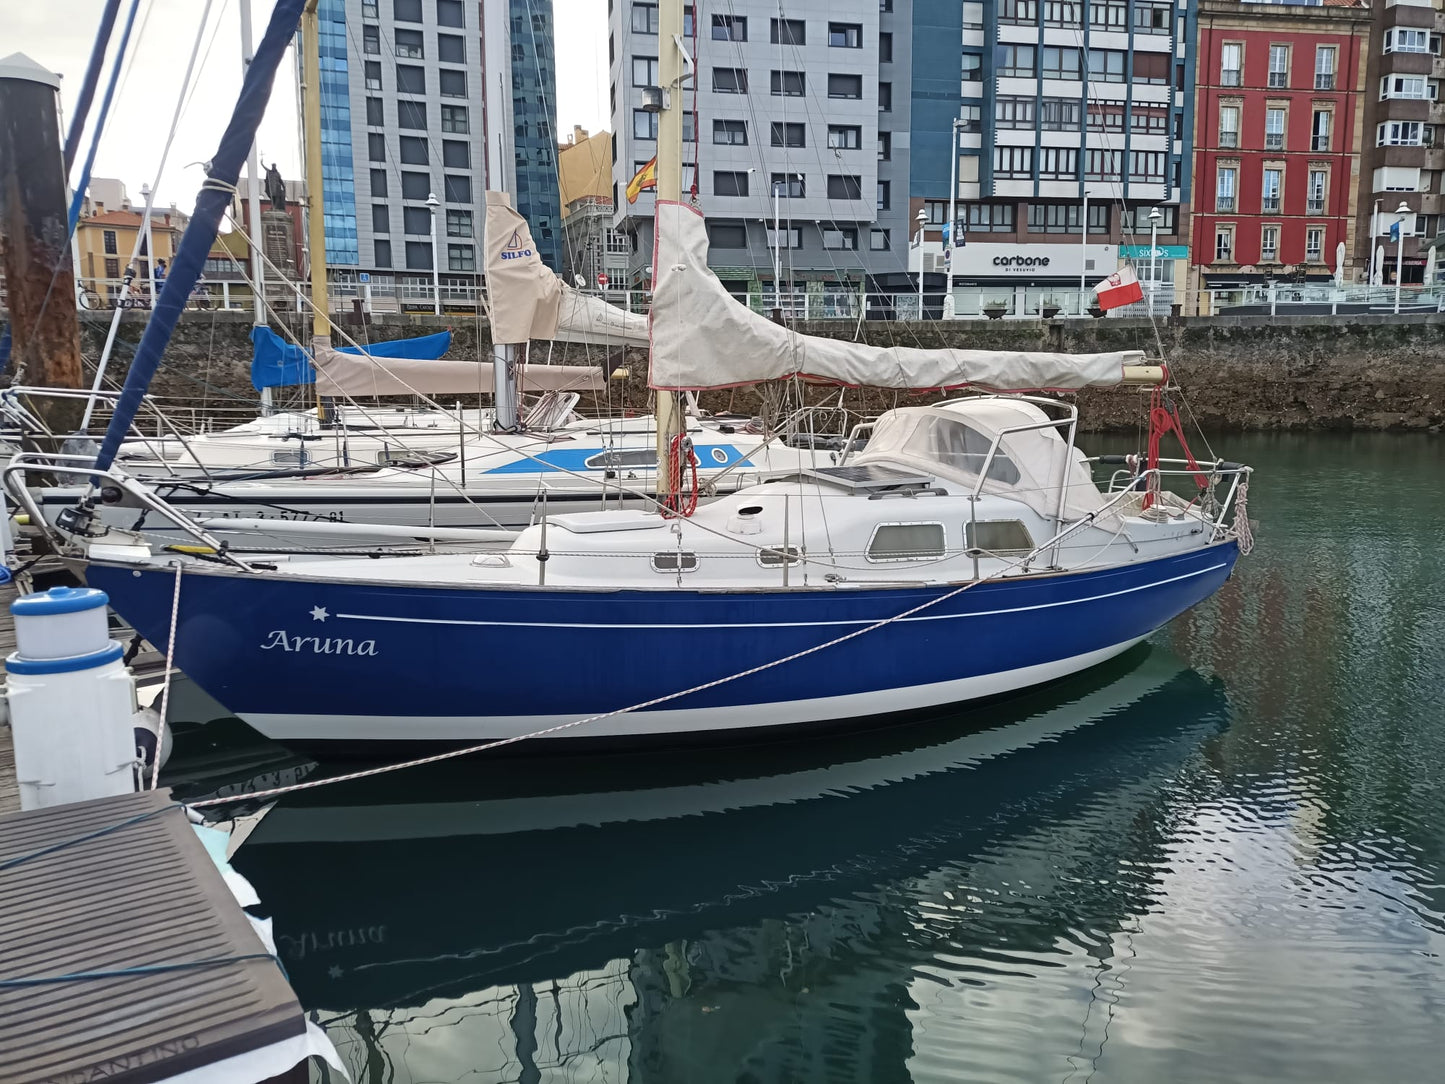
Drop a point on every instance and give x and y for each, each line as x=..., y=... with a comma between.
x=702, y=338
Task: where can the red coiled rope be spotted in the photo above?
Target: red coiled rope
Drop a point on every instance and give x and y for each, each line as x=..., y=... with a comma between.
x=1164, y=418
x=674, y=503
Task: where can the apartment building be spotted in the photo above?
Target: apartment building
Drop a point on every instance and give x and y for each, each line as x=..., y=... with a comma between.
x=1404, y=137
x=1280, y=123
x=1062, y=105
x=787, y=145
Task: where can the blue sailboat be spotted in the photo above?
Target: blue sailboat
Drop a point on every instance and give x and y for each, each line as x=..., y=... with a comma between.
x=966, y=552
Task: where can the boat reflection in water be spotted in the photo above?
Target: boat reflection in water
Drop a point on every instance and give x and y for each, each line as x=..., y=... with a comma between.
x=760, y=914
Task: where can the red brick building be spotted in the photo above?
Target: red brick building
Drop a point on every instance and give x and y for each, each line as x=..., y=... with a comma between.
x=1279, y=124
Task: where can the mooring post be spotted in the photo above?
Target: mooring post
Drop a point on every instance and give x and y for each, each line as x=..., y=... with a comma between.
x=34, y=226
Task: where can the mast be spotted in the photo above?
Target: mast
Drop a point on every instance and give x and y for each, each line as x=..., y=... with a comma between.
x=669, y=187
x=253, y=204
x=315, y=203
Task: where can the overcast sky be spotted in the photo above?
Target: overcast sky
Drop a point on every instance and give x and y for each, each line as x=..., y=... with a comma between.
x=58, y=34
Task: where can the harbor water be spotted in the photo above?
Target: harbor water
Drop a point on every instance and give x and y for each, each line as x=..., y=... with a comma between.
x=1220, y=857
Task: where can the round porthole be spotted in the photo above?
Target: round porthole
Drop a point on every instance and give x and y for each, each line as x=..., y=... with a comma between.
x=719, y=455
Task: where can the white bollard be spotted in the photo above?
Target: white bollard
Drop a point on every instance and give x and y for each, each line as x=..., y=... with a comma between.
x=71, y=700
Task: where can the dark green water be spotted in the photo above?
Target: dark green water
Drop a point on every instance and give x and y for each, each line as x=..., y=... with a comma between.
x=1219, y=858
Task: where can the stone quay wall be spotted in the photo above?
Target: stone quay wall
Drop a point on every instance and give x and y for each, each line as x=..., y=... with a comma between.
x=1341, y=373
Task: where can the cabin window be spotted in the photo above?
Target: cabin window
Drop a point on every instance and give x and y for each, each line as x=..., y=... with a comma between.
x=613, y=459
x=674, y=561
x=778, y=556
x=906, y=541
x=998, y=536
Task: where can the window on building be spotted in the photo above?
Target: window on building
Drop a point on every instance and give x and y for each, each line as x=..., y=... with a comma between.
x=1061, y=63
x=885, y=97
x=1152, y=68
x=456, y=154
x=373, y=75
x=381, y=253
x=1270, y=188
x=730, y=132
x=1103, y=165
x=415, y=186
x=789, y=32
x=1147, y=166
x=380, y=218
x=1315, y=244
x=413, y=151
x=406, y=11
x=1320, y=130
x=369, y=9
x=459, y=223
x=1058, y=163
x=880, y=240
x=1229, y=126
x=644, y=18
x=689, y=130
x=1324, y=67
x=885, y=195
x=1059, y=115
x=845, y=186
x=410, y=79
x=1109, y=16
x=112, y=269
x=409, y=43
x=734, y=80
x=1136, y=219
x=378, y=183
x=461, y=258
x=451, y=13
x=787, y=237
x=1107, y=65
x=1274, y=120
x=1400, y=133
x=885, y=48
x=1269, y=244
x=885, y=146
x=1279, y=65
x=847, y=137
x=416, y=220
x=1315, y=194
x=644, y=124
x=376, y=147
x=972, y=68
x=110, y=242
x=845, y=36
x=371, y=40
x=729, y=28
x=1018, y=11
x=788, y=134
x=1015, y=112
x=844, y=238
x=1054, y=218
x=971, y=114
x=644, y=71
x=986, y=217
x=935, y=211
x=1153, y=18
x=1225, y=181
x=729, y=183
x=1018, y=60
x=409, y=114
x=844, y=86
x=791, y=185
x=453, y=83
x=418, y=256
x=1415, y=87
x=1013, y=162
x=1224, y=244
x=454, y=119
x=451, y=49
x=1231, y=64
x=457, y=188
x=1149, y=119
x=1401, y=39
x=727, y=235
x=1106, y=116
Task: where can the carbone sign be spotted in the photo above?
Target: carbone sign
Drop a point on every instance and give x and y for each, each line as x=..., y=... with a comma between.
x=1019, y=262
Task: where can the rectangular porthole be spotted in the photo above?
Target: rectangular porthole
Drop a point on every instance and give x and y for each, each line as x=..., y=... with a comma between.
x=998, y=536
x=777, y=556
x=674, y=561
x=906, y=541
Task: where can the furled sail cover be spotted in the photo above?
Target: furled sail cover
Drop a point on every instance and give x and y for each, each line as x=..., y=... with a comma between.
x=275, y=363
x=702, y=338
x=359, y=376
x=530, y=302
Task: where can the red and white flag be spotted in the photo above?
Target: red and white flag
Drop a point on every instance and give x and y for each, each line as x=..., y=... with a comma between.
x=1120, y=288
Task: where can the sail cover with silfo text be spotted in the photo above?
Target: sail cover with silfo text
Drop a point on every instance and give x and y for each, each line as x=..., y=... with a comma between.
x=702, y=338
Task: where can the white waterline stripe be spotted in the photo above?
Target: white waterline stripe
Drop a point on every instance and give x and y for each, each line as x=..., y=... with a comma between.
x=768, y=625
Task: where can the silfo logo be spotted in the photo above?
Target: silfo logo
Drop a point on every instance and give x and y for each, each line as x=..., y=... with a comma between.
x=515, y=250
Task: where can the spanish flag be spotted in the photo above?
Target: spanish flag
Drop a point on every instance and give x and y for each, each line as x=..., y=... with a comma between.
x=646, y=178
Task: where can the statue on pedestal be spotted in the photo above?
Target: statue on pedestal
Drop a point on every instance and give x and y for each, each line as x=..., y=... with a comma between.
x=275, y=188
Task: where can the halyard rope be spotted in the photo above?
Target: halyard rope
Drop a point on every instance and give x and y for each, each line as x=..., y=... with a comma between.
x=166, y=685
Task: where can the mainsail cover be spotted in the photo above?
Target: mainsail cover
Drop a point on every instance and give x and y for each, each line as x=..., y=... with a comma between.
x=702, y=338
x=275, y=363
x=530, y=302
x=361, y=376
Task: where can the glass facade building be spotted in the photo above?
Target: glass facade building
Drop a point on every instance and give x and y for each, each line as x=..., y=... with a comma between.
x=338, y=177
x=534, y=109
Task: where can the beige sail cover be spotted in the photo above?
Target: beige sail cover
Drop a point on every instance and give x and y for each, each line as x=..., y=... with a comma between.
x=702, y=338
x=530, y=302
x=360, y=375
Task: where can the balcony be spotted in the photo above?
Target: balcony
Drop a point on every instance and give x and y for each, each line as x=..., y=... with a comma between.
x=1273, y=141
x=1320, y=143
x=1279, y=79
x=1230, y=78
x=1224, y=254
x=1324, y=80
x=1228, y=140
x=1269, y=205
x=1314, y=207
x=1224, y=205
x=1269, y=255
x=1314, y=255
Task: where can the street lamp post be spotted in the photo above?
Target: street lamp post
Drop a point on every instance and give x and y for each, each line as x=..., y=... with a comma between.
x=1374, y=234
x=1401, y=213
x=1155, y=217
x=922, y=221
x=432, y=204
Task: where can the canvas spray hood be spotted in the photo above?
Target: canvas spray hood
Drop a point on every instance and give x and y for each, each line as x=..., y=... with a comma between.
x=702, y=338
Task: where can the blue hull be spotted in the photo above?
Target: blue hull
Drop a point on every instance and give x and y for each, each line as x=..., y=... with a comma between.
x=320, y=661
